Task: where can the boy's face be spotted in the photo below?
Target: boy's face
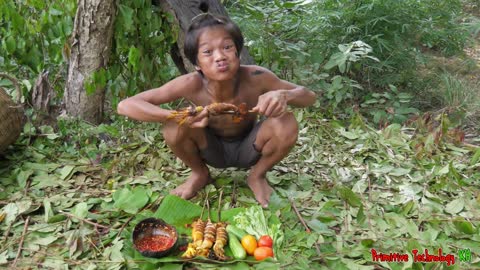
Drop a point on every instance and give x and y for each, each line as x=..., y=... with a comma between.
x=217, y=55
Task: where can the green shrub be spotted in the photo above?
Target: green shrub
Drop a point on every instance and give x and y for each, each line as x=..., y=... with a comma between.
x=299, y=40
x=33, y=38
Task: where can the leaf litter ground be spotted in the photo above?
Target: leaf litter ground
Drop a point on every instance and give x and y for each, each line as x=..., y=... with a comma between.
x=71, y=197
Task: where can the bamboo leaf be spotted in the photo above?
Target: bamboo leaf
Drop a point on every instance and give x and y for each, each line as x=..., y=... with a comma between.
x=66, y=172
x=349, y=196
x=361, y=215
x=464, y=226
x=476, y=157
x=455, y=206
x=80, y=210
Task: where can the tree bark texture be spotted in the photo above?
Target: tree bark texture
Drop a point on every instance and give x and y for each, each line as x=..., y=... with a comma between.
x=183, y=11
x=90, y=51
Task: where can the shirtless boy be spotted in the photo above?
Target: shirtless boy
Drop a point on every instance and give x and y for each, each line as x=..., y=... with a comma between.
x=213, y=44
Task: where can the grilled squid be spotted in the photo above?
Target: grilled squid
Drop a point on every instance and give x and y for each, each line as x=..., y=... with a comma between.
x=198, y=228
x=220, y=241
x=208, y=239
x=190, y=252
x=238, y=112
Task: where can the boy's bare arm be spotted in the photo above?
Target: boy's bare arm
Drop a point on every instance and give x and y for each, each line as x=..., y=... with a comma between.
x=277, y=94
x=144, y=106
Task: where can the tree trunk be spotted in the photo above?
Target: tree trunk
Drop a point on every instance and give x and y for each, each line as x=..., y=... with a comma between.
x=183, y=12
x=90, y=51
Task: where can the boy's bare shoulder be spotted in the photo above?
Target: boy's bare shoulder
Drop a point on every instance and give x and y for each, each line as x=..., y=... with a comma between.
x=191, y=80
x=255, y=71
x=258, y=75
x=187, y=84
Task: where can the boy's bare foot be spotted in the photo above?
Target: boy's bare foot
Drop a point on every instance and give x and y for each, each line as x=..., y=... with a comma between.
x=261, y=189
x=192, y=185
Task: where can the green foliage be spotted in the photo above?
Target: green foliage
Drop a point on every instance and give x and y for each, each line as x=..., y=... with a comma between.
x=349, y=56
x=389, y=107
x=140, y=56
x=272, y=33
x=349, y=49
x=395, y=30
x=131, y=200
x=390, y=36
x=33, y=37
x=457, y=93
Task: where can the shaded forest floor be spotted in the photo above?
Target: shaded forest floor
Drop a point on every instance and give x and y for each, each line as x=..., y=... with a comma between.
x=358, y=188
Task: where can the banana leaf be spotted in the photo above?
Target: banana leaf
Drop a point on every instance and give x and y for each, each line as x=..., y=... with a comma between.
x=179, y=213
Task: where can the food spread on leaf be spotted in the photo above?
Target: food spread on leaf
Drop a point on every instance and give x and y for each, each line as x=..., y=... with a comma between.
x=226, y=241
x=238, y=112
x=218, y=235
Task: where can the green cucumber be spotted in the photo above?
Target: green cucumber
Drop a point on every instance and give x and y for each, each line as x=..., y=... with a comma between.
x=239, y=233
x=238, y=251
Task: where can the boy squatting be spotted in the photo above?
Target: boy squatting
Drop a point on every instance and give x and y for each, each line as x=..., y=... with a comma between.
x=213, y=45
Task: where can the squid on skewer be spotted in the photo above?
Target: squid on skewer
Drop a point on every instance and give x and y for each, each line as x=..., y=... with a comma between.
x=221, y=235
x=182, y=115
x=208, y=239
x=190, y=252
x=219, y=108
x=238, y=112
x=198, y=228
x=221, y=241
x=208, y=236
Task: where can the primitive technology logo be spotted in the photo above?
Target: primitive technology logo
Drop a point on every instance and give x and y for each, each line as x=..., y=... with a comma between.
x=464, y=255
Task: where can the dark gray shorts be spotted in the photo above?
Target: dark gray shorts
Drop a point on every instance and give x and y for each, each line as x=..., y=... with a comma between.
x=240, y=153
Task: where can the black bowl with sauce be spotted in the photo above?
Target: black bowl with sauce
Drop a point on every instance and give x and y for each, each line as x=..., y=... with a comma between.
x=154, y=238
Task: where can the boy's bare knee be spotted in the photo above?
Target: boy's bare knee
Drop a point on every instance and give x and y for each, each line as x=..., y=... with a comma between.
x=286, y=129
x=175, y=135
x=171, y=133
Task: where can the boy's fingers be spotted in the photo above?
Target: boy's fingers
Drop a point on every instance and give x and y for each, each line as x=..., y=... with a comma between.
x=203, y=113
x=200, y=120
x=204, y=122
x=260, y=109
x=200, y=116
x=271, y=109
x=281, y=110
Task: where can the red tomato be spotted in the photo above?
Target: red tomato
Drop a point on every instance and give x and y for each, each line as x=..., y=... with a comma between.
x=261, y=253
x=265, y=241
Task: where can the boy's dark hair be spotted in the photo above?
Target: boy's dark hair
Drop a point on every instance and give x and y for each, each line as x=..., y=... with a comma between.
x=209, y=20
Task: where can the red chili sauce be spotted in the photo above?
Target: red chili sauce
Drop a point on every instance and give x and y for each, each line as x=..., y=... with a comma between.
x=154, y=243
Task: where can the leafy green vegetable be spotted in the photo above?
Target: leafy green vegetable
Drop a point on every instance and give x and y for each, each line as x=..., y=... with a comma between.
x=254, y=222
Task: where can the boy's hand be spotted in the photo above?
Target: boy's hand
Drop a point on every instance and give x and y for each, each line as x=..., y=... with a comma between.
x=198, y=121
x=272, y=104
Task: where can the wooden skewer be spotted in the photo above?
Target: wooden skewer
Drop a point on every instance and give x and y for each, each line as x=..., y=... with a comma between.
x=219, y=205
x=208, y=209
x=233, y=112
x=207, y=203
x=203, y=208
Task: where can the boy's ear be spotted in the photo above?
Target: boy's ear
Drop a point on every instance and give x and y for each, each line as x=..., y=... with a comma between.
x=197, y=68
